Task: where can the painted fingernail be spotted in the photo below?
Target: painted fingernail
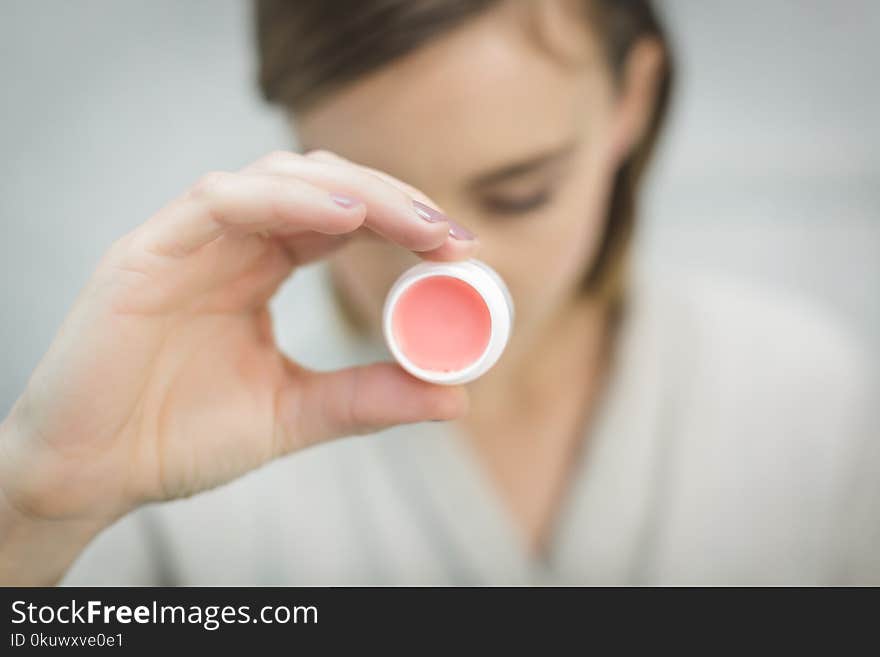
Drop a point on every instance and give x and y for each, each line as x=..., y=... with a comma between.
x=428, y=213
x=345, y=201
x=459, y=232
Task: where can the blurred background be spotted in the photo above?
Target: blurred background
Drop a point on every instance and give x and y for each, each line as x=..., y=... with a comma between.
x=770, y=170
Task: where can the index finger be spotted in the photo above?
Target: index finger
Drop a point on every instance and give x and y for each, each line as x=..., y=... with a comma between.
x=449, y=250
x=396, y=211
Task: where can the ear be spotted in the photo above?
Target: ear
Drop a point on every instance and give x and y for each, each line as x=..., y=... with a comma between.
x=637, y=94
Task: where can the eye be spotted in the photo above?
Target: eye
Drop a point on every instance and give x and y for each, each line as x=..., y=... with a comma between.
x=517, y=205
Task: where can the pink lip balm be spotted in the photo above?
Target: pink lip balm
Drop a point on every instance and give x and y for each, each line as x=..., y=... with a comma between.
x=448, y=322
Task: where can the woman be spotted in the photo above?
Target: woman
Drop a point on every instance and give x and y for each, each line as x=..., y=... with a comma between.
x=632, y=432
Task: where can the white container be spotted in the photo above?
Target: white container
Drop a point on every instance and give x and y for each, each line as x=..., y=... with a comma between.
x=490, y=289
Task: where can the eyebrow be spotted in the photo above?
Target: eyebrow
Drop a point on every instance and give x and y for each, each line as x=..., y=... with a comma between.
x=522, y=167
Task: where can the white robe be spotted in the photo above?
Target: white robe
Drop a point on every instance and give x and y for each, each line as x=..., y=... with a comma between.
x=734, y=446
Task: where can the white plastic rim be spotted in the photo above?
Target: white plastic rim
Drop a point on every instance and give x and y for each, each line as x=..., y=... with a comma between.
x=491, y=289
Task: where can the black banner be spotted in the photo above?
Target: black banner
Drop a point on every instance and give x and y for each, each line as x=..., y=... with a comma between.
x=246, y=618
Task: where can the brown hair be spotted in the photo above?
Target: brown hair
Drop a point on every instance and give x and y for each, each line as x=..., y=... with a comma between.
x=308, y=48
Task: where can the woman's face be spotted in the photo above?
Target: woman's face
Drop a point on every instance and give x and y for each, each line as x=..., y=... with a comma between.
x=508, y=123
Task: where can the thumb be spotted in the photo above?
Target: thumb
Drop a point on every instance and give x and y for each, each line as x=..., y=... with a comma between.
x=318, y=406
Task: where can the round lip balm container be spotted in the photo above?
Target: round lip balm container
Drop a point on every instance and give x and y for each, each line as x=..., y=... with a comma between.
x=448, y=322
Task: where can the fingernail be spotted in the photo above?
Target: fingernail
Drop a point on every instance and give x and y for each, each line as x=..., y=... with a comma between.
x=459, y=232
x=345, y=201
x=428, y=213
x=456, y=230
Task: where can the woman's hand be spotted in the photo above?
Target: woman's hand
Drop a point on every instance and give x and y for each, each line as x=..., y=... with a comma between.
x=165, y=379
